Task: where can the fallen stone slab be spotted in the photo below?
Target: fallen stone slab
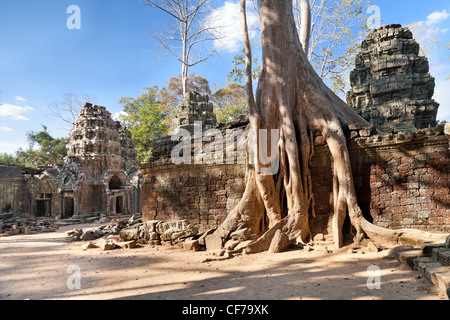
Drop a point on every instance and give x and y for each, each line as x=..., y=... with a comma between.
x=231, y=244
x=201, y=239
x=241, y=234
x=175, y=226
x=213, y=242
x=191, y=245
x=129, y=234
x=88, y=245
x=127, y=244
x=427, y=248
x=106, y=245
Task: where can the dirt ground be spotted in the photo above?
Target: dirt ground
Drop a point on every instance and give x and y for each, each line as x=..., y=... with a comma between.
x=36, y=267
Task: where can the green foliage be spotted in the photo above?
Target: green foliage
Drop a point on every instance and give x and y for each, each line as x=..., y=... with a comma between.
x=230, y=102
x=145, y=120
x=237, y=74
x=43, y=150
x=171, y=95
x=6, y=158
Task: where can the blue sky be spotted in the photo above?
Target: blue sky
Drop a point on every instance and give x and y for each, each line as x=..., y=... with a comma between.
x=113, y=55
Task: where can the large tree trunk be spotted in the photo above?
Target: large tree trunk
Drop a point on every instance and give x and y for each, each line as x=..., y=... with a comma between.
x=292, y=98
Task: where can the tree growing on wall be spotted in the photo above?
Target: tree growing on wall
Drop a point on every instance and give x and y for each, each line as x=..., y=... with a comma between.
x=188, y=34
x=145, y=120
x=293, y=101
x=330, y=32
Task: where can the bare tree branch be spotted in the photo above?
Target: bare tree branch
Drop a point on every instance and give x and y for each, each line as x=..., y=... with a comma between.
x=192, y=29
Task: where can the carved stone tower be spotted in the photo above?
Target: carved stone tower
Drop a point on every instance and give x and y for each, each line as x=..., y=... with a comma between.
x=195, y=107
x=391, y=84
x=95, y=178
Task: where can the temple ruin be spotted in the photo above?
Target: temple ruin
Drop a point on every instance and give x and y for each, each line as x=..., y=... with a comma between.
x=401, y=166
x=99, y=176
x=391, y=84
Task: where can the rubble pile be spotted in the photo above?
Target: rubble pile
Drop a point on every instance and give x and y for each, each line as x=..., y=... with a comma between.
x=12, y=226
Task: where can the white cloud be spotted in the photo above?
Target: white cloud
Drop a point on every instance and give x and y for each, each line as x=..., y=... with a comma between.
x=227, y=19
x=119, y=115
x=19, y=98
x=12, y=146
x=13, y=112
x=437, y=17
x=5, y=128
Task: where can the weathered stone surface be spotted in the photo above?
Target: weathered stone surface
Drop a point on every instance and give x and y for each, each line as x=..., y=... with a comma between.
x=231, y=244
x=201, y=239
x=175, y=226
x=89, y=245
x=243, y=244
x=213, y=242
x=191, y=245
x=241, y=234
x=428, y=247
x=195, y=107
x=127, y=244
x=129, y=234
x=106, y=245
x=391, y=84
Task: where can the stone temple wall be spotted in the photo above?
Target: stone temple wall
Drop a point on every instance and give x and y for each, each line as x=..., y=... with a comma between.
x=402, y=181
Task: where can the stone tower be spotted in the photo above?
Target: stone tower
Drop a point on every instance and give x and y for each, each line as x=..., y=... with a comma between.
x=391, y=84
x=195, y=107
x=95, y=178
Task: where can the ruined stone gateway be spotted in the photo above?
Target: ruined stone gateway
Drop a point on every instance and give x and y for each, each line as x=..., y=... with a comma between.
x=99, y=176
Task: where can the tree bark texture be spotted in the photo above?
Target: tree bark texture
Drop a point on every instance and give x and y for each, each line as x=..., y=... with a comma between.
x=292, y=98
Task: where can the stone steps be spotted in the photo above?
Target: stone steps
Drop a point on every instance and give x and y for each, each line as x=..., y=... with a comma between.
x=432, y=261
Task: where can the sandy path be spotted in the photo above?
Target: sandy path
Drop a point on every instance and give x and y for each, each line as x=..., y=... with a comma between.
x=35, y=267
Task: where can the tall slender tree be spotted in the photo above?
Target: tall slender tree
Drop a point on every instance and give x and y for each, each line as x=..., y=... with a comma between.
x=189, y=32
x=293, y=101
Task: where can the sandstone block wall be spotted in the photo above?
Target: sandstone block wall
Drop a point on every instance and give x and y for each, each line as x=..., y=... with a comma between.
x=402, y=181
x=201, y=194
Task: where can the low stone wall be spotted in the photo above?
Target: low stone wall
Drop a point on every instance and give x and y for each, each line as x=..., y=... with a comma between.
x=200, y=194
x=402, y=181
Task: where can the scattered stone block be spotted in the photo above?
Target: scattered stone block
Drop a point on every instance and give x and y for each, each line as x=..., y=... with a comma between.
x=88, y=245
x=106, y=245
x=201, y=239
x=428, y=247
x=243, y=244
x=231, y=244
x=241, y=234
x=191, y=245
x=129, y=234
x=127, y=244
x=88, y=235
x=213, y=242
